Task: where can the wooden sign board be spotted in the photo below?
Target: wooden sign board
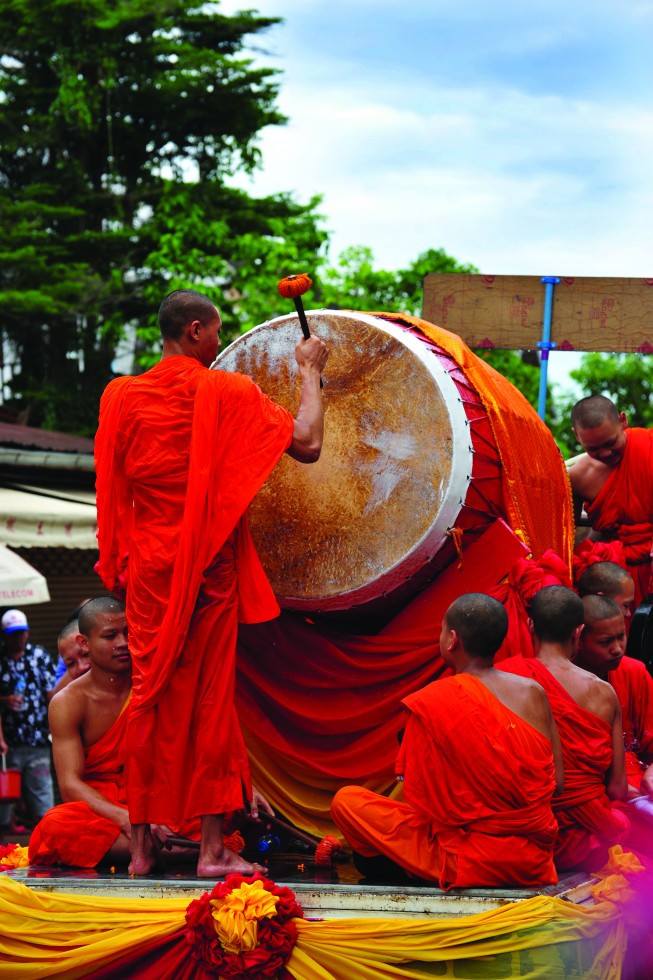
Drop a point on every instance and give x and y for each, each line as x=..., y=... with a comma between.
x=589, y=314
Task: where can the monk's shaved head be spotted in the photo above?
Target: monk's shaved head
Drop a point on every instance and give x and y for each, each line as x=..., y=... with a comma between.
x=180, y=308
x=556, y=612
x=603, y=576
x=591, y=412
x=480, y=622
x=598, y=608
x=70, y=629
x=94, y=608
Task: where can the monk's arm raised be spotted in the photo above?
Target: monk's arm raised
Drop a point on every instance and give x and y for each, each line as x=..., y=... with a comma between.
x=66, y=716
x=308, y=433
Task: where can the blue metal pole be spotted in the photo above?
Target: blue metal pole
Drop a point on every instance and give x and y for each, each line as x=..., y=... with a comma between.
x=545, y=344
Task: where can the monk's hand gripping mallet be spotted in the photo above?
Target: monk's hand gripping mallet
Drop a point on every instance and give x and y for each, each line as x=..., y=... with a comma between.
x=294, y=287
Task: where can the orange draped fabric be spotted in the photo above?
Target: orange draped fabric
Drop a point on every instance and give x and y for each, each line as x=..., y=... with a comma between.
x=71, y=833
x=180, y=453
x=624, y=507
x=587, y=820
x=536, y=489
x=321, y=708
x=634, y=687
x=478, y=782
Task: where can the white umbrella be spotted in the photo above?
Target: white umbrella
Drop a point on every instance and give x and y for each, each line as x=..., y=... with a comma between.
x=20, y=584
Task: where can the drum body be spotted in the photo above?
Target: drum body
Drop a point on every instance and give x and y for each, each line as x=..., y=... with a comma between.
x=408, y=457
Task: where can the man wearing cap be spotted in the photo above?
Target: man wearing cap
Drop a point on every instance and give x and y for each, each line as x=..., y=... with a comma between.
x=26, y=684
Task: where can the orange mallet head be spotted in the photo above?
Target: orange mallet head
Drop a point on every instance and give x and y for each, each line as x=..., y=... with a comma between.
x=294, y=287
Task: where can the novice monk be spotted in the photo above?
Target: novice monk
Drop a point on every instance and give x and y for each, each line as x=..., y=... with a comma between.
x=601, y=650
x=588, y=716
x=480, y=761
x=88, y=721
x=615, y=481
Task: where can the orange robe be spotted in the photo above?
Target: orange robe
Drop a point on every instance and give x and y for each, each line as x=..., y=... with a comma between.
x=180, y=453
x=634, y=687
x=71, y=833
x=624, y=507
x=588, y=822
x=478, y=782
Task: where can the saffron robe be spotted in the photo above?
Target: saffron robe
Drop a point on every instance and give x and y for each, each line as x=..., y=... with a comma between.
x=180, y=453
x=478, y=782
x=624, y=507
x=634, y=687
x=71, y=833
x=587, y=820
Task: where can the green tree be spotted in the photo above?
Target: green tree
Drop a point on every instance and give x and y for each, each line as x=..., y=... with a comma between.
x=625, y=378
x=354, y=283
x=121, y=122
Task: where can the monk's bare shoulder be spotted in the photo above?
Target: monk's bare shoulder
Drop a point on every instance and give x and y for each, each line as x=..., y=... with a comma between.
x=524, y=696
x=70, y=704
x=587, y=476
x=592, y=693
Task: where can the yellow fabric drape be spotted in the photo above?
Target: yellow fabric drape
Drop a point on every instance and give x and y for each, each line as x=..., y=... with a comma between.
x=64, y=936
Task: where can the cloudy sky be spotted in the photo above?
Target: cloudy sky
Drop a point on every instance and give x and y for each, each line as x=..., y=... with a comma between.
x=515, y=135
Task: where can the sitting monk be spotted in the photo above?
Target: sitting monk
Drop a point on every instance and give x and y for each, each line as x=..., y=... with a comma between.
x=588, y=716
x=601, y=650
x=480, y=761
x=608, y=578
x=88, y=722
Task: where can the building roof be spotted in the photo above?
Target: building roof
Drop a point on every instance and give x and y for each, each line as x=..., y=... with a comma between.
x=26, y=437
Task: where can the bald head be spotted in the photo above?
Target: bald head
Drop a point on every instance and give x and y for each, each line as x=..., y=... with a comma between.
x=480, y=622
x=609, y=579
x=588, y=413
x=597, y=608
x=180, y=308
x=92, y=610
x=556, y=612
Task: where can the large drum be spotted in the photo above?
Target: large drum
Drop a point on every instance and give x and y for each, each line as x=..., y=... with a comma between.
x=408, y=463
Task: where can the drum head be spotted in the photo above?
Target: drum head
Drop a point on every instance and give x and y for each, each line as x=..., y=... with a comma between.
x=394, y=470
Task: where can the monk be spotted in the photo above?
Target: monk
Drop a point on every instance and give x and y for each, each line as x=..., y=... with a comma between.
x=88, y=726
x=480, y=762
x=74, y=656
x=601, y=650
x=609, y=579
x=587, y=713
x=180, y=453
x=615, y=482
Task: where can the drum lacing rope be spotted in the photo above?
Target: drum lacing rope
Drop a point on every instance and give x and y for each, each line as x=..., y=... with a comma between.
x=456, y=535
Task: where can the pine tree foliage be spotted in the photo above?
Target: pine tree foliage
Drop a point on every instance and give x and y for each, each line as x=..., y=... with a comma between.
x=121, y=123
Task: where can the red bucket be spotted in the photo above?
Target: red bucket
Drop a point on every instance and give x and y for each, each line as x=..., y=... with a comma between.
x=9, y=783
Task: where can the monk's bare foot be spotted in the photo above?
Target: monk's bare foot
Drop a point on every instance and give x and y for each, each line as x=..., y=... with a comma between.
x=145, y=858
x=224, y=862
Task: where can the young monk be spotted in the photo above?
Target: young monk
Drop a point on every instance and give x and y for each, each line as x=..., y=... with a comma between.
x=609, y=579
x=74, y=656
x=88, y=721
x=480, y=761
x=601, y=650
x=588, y=716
